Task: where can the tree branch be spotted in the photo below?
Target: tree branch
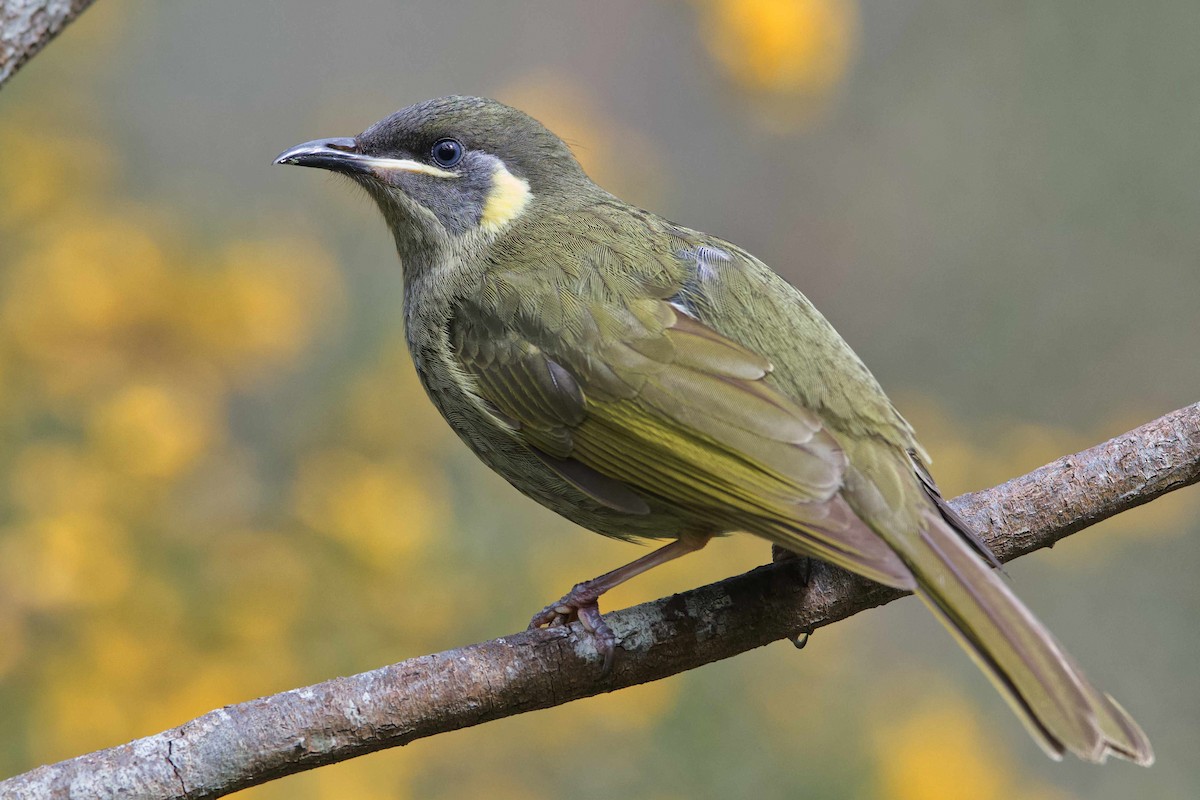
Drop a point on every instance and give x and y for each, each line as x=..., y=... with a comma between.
x=249, y=743
x=26, y=26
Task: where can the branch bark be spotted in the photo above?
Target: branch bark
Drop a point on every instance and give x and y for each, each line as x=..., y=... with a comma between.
x=26, y=26
x=253, y=742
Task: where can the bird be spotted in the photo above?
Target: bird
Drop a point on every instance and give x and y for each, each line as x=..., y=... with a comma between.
x=650, y=381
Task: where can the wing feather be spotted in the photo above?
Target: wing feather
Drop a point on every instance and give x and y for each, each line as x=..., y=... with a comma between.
x=661, y=407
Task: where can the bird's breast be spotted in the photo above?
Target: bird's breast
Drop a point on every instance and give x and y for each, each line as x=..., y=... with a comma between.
x=453, y=393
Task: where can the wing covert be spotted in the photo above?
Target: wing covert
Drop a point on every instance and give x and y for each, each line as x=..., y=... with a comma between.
x=650, y=403
x=666, y=386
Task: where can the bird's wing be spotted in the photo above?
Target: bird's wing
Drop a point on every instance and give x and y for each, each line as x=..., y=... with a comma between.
x=662, y=406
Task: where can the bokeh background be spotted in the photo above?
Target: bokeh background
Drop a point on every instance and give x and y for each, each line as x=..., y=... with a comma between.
x=219, y=478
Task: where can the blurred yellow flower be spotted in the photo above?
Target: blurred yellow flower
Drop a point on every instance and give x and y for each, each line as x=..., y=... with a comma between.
x=383, y=511
x=125, y=504
x=155, y=430
x=781, y=46
x=39, y=173
x=77, y=713
x=88, y=280
x=363, y=779
x=939, y=753
x=260, y=306
x=65, y=560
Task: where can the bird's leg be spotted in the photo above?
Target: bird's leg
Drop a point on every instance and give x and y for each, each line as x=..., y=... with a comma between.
x=582, y=602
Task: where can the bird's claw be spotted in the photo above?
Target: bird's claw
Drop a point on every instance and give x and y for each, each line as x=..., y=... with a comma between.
x=581, y=604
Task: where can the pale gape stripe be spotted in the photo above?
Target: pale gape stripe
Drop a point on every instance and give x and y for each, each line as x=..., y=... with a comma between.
x=405, y=165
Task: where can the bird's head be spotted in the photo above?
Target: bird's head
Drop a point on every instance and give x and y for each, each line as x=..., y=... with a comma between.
x=451, y=169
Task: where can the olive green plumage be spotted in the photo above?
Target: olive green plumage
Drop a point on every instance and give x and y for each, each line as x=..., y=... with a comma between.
x=647, y=380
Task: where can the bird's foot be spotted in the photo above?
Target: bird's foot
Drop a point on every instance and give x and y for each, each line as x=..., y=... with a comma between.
x=581, y=603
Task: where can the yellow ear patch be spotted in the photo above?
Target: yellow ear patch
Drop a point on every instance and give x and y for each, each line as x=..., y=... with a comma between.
x=505, y=201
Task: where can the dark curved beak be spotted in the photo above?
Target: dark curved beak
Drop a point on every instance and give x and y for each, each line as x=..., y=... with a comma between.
x=336, y=155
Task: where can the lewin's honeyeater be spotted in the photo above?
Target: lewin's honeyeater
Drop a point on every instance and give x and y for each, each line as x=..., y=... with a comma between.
x=647, y=380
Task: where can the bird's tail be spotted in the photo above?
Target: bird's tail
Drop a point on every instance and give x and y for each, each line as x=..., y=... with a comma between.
x=1042, y=683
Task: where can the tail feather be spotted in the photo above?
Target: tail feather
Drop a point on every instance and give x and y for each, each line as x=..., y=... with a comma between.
x=1041, y=682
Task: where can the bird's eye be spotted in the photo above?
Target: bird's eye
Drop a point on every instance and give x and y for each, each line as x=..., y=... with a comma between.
x=447, y=152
